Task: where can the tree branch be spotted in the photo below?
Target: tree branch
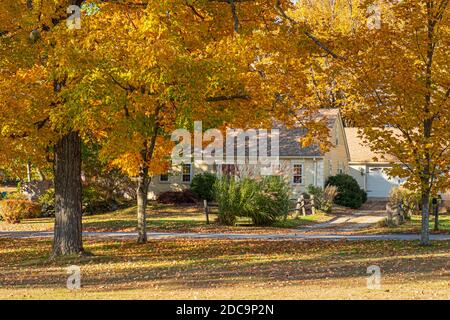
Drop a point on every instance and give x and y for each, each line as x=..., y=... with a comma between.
x=306, y=32
x=129, y=88
x=228, y=98
x=194, y=10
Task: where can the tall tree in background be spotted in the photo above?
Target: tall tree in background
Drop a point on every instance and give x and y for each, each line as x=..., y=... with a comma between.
x=390, y=75
x=398, y=85
x=144, y=79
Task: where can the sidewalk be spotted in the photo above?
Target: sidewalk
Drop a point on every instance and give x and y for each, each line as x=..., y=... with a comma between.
x=229, y=236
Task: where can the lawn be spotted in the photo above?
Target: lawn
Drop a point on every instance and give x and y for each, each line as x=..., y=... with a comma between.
x=223, y=269
x=412, y=226
x=164, y=218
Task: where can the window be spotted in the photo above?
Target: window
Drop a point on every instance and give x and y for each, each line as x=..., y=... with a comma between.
x=330, y=164
x=164, y=177
x=297, y=174
x=186, y=173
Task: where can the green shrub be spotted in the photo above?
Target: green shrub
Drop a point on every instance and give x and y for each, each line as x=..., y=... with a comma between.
x=47, y=202
x=264, y=200
x=202, y=186
x=272, y=201
x=349, y=193
x=364, y=196
x=227, y=196
x=13, y=210
x=323, y=198
x=94, y=202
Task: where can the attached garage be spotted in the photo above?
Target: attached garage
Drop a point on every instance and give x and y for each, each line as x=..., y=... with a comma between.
x=379, y=182
x=371, y=174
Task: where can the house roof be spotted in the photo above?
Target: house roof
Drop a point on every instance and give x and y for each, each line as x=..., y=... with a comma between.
x=290, y=138
x=361, y=152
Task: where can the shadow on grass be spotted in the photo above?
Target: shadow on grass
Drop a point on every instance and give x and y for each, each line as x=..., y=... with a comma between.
x=200, y=264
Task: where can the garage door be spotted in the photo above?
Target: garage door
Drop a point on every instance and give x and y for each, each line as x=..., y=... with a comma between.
x=379, y=183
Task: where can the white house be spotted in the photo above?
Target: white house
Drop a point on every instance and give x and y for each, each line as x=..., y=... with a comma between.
x=301, y=166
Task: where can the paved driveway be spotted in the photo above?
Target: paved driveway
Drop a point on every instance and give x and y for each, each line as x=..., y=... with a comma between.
x=346, y=220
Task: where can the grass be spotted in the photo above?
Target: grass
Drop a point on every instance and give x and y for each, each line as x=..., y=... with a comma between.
x=413, y=226
x=164, y=218
x=223, y=269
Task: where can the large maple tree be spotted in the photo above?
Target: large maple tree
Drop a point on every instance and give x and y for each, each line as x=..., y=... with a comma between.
x=137, y=70
x=41, y=71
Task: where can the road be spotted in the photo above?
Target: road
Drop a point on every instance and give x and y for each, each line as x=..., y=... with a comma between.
x=229, y=236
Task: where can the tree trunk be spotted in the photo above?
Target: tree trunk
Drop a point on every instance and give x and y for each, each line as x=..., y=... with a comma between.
x=68, y=196
x=436, y=214
x=425, y=235
x=143, y=180
x=142, y=194
x=29, y=171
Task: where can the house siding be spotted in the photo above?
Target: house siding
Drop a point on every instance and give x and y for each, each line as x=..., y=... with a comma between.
x=175, y=182
x=355, y=171
x=338, y=156
x=312, y=175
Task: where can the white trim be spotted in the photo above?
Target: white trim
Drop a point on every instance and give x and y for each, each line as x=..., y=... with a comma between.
x=315, y=173
x=297, y=158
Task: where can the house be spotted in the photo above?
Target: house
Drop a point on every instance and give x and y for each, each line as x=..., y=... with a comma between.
x=301, y=166
x=369, y=168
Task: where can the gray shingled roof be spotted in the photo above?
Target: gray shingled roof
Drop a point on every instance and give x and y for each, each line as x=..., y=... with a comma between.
x=290, y=145
x=290, y=138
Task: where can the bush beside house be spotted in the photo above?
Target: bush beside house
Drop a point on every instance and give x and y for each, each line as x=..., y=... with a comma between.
x=202, y=186
x=349, y=193
x=177, y=197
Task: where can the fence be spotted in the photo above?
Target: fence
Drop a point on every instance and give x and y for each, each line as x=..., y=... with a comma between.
x=397, y=214
x=207, y=208
x=303, y=205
